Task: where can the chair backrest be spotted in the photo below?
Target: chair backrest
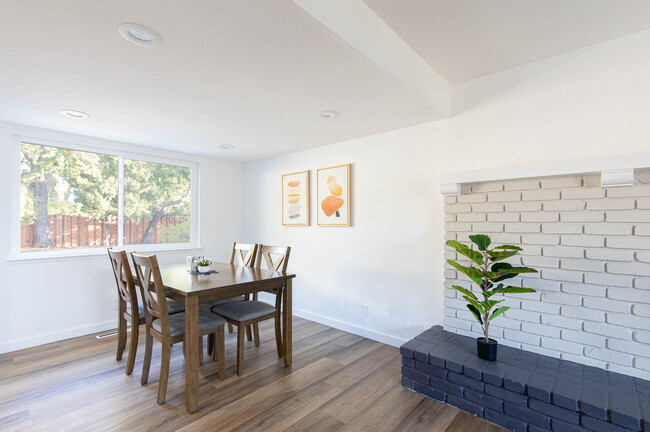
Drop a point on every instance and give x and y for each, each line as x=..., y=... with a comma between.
x=276, y=258
x=152, y=289
x=124, y=278
x=238, y=250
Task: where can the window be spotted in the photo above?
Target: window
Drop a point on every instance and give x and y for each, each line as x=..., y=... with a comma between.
x=73, y=199
x=157, y=203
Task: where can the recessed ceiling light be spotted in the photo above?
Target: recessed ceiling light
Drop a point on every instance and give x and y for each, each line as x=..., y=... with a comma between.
x=74, y=114
x=227, y=146
x=139, y=34
x=328, y=113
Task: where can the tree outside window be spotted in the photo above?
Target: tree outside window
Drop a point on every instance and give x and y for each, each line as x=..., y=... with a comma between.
x=69, y=199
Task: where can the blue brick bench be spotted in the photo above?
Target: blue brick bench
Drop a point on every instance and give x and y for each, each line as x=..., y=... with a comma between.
x=524, y=391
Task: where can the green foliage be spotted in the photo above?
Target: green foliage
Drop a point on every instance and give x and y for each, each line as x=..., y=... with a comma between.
x=149, y=186
x=82, y=183
x=203, y=262
x=481, y=241
x=78, y=183
x=178, y=233
x=489, y=271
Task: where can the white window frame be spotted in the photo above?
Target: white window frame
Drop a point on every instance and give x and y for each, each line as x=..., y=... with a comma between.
x=18, y=254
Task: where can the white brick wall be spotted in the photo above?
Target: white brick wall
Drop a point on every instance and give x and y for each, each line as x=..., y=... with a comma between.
x=591, y=246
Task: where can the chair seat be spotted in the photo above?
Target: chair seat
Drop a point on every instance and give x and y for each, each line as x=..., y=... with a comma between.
x=174, y=307
x=212, y=304
x=207, y=321
x=244, y=311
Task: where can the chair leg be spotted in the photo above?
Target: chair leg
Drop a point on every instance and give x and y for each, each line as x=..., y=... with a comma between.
x=256, y=334
x=121, y=331
x=240, y=349
x=249, y=333
x=164, y=372
x=211, y=337
x=200, y=349
x=230, y=329
x=278, y=333
x=219, y=353
x=133, y=348
x=147, y=357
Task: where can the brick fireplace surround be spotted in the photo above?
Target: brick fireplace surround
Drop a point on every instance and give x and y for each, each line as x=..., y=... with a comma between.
x=575, y=355
x=522, y=390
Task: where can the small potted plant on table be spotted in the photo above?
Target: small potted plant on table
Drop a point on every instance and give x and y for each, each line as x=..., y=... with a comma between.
x=203, y=265
x=488, y=274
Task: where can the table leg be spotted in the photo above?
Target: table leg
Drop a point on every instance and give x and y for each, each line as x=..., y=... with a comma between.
x=287, y=335
x=192, y=353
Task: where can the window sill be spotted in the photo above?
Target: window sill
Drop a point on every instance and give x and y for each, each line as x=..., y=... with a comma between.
x=48, y=256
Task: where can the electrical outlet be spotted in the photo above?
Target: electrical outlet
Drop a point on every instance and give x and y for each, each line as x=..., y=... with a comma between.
x=365, y=310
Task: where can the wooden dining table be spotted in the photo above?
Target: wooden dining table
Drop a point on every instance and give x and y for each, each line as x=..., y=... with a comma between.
x=228, y=281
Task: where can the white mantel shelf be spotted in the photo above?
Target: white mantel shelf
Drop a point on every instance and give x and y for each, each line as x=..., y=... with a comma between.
x=614, y=170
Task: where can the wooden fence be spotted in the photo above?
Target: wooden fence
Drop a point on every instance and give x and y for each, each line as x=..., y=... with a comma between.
x=79, y=232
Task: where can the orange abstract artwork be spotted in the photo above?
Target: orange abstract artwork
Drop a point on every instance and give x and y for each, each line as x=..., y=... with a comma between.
x=333, y=196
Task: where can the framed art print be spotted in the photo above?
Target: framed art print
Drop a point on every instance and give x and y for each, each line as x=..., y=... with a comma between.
x=333, y=196
x=295, y=199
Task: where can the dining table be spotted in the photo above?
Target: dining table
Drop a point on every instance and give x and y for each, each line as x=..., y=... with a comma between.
x=226, y=281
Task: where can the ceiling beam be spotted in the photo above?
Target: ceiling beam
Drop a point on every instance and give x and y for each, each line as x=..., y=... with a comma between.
x=360, y=27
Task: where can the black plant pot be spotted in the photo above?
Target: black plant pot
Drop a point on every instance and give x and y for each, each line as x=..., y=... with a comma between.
x=487, y=350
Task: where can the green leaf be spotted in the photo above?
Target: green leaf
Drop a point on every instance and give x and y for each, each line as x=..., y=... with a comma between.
x=476, y=304
x=464, y=291
x=500, y=256
x=471, y=272
x=489, y=304
x=507, y=271
x=518, y=270
x=476, y=313
x=490, y=293
x=509, y=247
x=512, y=290
x=462, y=249
x=481, y=241
x=498, y=312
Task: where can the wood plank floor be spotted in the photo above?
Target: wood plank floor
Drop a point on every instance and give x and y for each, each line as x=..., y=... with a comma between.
x=338, y=382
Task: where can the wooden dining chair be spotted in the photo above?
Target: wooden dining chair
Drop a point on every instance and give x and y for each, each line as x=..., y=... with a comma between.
x=242, y=254
x=129, y=310
x=169, y=329
x=276, y=258
x=247, y=313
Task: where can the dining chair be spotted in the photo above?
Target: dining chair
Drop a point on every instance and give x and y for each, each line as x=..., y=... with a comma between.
x=276, y=258
x=170, y=329
x=242, y=254
x=246, y=313
x=129, y=310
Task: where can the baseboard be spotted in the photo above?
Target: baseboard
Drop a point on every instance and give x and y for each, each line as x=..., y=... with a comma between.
x=46, y=338
x=351, y=328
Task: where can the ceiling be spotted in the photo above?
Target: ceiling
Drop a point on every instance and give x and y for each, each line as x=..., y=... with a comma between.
x=467, y=39
x=255, y=74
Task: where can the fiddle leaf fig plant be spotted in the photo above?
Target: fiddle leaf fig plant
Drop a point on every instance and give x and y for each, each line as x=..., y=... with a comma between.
x=488, y=274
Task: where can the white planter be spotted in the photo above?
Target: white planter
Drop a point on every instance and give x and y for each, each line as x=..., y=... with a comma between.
x=203, y=269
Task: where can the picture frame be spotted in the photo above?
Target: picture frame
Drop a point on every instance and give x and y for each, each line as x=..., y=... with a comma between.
x=295, y=199
x=334, y=201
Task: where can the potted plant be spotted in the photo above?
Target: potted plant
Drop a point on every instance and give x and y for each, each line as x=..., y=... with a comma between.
x=490, y=271
x=203, y=265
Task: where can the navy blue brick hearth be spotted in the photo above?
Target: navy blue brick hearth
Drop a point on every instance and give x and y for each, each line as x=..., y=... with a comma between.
x=524, y=391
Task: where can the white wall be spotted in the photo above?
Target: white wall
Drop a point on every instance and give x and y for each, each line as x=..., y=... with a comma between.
x=587, y=103
x=390, y=258
x=48, y=300
x=590, y=102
